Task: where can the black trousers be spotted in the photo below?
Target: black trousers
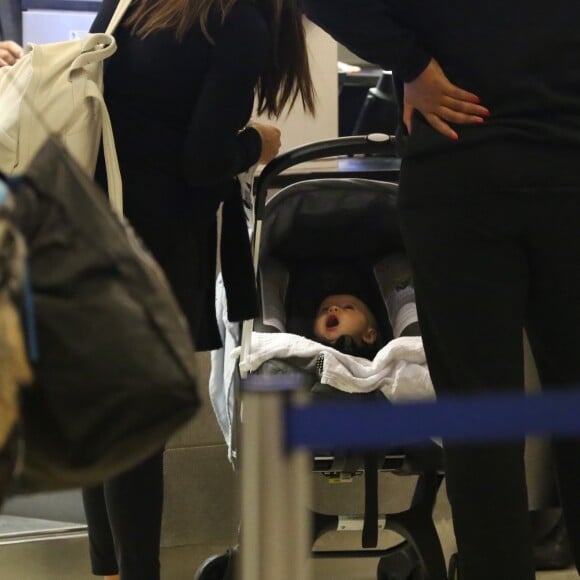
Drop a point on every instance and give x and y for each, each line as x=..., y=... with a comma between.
x=124, y=522
x=488, y=262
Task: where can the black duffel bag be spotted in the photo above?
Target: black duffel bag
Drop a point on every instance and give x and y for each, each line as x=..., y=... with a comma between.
x=115, y=374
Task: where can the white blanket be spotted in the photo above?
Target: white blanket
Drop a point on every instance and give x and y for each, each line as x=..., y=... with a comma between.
x=399, y=369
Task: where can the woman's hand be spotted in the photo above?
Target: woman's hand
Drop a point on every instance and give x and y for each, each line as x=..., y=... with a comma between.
x=10, y=52
x=441, y=102
x=271, y=143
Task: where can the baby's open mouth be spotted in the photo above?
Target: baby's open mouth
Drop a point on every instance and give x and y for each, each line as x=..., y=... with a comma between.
x=331, y=321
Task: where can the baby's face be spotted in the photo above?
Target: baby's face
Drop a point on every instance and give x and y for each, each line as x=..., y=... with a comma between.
x=343, y=315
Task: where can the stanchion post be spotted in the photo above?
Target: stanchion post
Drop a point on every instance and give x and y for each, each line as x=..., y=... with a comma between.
x=276, y=487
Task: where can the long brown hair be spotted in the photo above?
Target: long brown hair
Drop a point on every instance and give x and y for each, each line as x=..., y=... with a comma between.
x=287, y=72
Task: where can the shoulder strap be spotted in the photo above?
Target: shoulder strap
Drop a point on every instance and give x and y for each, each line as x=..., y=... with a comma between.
x=117, y=16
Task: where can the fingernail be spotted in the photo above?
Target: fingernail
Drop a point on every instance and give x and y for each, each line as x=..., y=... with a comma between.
x=454, y=136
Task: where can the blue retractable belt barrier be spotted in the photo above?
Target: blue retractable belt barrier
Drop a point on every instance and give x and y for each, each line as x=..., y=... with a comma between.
x=29, y=316
x=372, y=424
x=3, y=192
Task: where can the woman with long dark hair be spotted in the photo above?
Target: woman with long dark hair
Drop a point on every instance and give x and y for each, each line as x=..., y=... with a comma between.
x=180, y=91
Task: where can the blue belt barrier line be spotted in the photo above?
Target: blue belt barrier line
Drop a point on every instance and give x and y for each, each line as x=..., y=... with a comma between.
x=29, y=315
x=3, y=192
x=377, y=424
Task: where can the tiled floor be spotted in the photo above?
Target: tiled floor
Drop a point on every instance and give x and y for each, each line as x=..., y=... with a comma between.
x=67, y=559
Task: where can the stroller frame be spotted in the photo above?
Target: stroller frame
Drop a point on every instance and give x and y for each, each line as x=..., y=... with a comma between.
x=419, y=556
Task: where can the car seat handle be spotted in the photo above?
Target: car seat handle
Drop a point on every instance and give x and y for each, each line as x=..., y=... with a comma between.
x=373, y=144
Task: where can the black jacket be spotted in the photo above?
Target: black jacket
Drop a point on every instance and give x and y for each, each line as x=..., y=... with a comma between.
x=178, y=111
x=11, y=20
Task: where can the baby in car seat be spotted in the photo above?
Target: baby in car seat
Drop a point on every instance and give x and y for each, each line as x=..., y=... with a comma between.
x=346, y=323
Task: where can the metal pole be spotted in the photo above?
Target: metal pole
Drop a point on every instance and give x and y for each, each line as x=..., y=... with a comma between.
x=276, y=488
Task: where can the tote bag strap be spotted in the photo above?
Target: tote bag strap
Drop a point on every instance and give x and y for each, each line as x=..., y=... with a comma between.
x=117, y=16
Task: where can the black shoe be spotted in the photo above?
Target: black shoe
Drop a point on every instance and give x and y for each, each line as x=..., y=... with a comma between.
x=553, y=551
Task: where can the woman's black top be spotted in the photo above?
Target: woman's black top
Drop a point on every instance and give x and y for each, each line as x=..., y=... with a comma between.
x=178, y=111
x=521, y=57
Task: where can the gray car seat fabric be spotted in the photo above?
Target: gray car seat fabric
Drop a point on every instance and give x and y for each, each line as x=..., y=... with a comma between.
x=331, y=236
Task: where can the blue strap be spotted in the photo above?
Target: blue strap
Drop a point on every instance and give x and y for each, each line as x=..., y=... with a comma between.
x=29, y=317
x=3, y=192
x=376, y=424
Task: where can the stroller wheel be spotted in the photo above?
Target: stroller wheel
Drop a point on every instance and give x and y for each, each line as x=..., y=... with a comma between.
x=416, y=574
x=453, y=567
x=214, y=568
x=402, y=564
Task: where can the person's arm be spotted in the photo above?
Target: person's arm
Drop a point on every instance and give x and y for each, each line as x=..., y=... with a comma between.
x=10, y=52
x=271, y=143
x=368, y=28
x=215, y=148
